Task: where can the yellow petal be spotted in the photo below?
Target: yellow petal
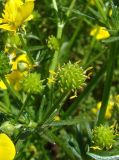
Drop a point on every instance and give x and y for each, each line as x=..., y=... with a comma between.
x=21, y=58
x=24, y=12
x=29, y=18
x=7, y=148
x=99, y=33
x=2, y=85
x=57, y=118
x=29, y=0
x=1, y=20
x=7, y=27
x=15, y=77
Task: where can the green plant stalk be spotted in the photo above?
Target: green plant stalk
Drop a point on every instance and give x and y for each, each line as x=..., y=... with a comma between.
x=7, y=99
x=83, y=95
x=58, y=105
x=41, y=109
x=22, y=108
x=107, y=84
x=72, y=40
x=87, y=57
x=93, y=59
x=55, y=5
x=60, y=26
x=11, y=89
x=101, y=10
x=56, y=54
x=70, y=7
x=26, y=49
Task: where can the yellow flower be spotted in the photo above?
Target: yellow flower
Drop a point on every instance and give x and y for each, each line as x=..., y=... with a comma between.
x=20, y=67
x=99, y=33
x=16, y=13
x=108, y=111
x=57, y=118
x=7, y=148
x=15, y=77
x=92, y=2
x=22, y=62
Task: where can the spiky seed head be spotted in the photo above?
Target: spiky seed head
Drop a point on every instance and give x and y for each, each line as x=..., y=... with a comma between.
x=71, y=77
x=104, y=137
x=32, y=83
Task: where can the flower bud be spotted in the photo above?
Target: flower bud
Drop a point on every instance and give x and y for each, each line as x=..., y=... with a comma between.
x=53, y=43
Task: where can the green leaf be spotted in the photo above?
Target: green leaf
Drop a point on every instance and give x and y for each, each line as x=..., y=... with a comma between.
x=64, y=122
x=110, y=40
x=97, y=157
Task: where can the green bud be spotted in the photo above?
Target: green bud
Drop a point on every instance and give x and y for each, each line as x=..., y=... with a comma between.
x=103, y=137
x=8, y=128
x=22, y=66
x=32, y=83
x=53, y=43
x=71, y=77
x=5, y=67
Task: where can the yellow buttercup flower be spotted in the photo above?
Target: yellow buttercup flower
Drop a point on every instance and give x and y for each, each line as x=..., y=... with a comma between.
x=7, y=148
x=99, y=33
x=16, y=13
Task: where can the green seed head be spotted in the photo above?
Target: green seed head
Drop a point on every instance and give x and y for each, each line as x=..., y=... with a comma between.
x=5, y=67
x=53, y=43
x=32, y=83
x=103, y=137
x=71, y=77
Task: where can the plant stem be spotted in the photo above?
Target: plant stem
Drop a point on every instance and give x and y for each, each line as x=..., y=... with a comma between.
x=55, y=5
x=22, y=108
x=70, y=8
x=7, y=100
x=56, y=54
x=101, y=10
x=108, y=82
x=60, y=26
